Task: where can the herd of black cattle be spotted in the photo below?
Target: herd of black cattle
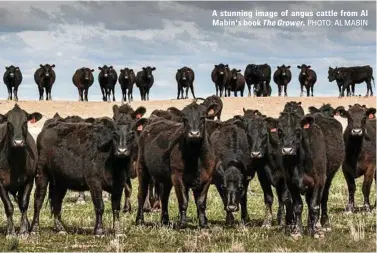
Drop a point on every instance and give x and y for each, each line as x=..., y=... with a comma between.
x=187, y=149
x=225, y=80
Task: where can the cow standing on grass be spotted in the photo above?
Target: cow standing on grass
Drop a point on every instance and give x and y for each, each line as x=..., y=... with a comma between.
x=360, y=154
x=144, y=81
x=45, y=77
x=12, y=79
x=83, y=79
x=127, y=79
x=185, y=79
x=18, y=159
x=282, y=77
x=107, y=79
x=307, y=79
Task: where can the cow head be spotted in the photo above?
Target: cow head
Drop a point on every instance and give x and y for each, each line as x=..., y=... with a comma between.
x=17, y=128
x=148, y=72
x=295, y=107
x=284, y=70
x=234, y=73
x=304, y=69
x=325, y=109
x=87, y=73
x=357, y=116
x=232, y=184
x=332, y=74
x=221, y=69
x=126, y=109
x=12, y=71
x=290, y=132
x=105, y=70
x=185, y=72
x=127, y=73
x=46, y=70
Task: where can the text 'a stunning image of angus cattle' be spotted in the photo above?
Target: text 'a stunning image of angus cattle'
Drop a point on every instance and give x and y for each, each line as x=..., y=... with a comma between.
x=307, y=79
x=355, y=75
x=177, y=154
x=185, y=79
x=18, y=159
x=144, y=81
x=360, y=155
x=12, y=79
x=107, y=79
x=83, y=79
x=260, y=77
x=332, y=75
x=220, y=76
x=45, y=77
x=282, y=77
x=236, y=82
x=127, y=79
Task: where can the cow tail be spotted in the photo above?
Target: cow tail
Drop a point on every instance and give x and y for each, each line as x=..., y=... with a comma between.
x=374, y=85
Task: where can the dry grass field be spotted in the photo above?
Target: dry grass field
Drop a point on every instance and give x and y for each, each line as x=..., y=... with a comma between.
x=355, y=232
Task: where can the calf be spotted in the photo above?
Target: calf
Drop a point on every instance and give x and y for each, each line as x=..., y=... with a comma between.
x=231, y=176
x=107, y=79
x=333, y=75
x=144, y=81
x=12, y=79
x=83, y=79
x=18, y=159
x=282, y=77
x=185, y=79
x=307, y=79
x=220, y=77
x=45, y=77
x=360, y=154
x=352, y=75
x=236, y=83
x=302, y=153
x=127, y=79
x=180, y=155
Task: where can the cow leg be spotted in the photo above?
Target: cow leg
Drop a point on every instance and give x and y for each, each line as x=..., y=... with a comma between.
x=57, y=194
x=103, y=91
x=268, y=197
x=340, y=88
x=325, y=196
x=127, y=196
x=9, y=87
x=353, y=89
x=130, y=97
x=149, y=199
x=235, y=93
x=192, y=90
x=367, y=184
x=40, y=89
x=165, y=193
x=144, y=179
x=217, y=90
x=15, y=91
x=86, y=94
x=351, y=188
x=279, y=88
x=244, y=213
x=80, y=94
x=48, y=93
x=187, y=89
x=41, y=183
x=348, y=92
x=148, y=93
x=155, y=201
x=285, y=90
x=249, y=88
x=369, y=88
x=179, y=91
x=200, y=195
x=229, y=215
x=297, y=210
x=302, y=90
x=307, y=91
x=112, y=90
x=23, y=203
x=313, y=200
x=284, y=199
x=312, y=87
x=95, y=189
x=181, y=193
x=116, y=196
x=8, y=206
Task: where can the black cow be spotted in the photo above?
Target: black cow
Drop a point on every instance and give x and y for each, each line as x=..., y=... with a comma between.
x=282, y=77
x=360, y=155
x=302, y=153
x=216, y=105
x=333, y=75
x=263, y=141
x=307, y=79
x=353, y=75
x=295, y=107
x=45, y=77
x=12, y=79
x=220, y=76
x=144, y=81
x=107, y=79
x=260, y=77
x=185, y=79
x=18, y=159
x=325, y=109
x=236, y=82
x=232, y=175
x=180, y=155
x=127, y=79
x=80, y=157
x=83, y=79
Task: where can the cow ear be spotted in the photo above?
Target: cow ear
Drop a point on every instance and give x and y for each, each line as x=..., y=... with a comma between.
x=299, y=103
x=34, y=117
x=309, y=66
x=277, y=67
x=99, y=68
x=140, y=124
x=53, y=66
x=154, y=68
x=175, y=111
x=92, y=70
x=6, y=68
x=307, y=122
x=90, y=120
x=40, y=65
x=131, y=70
x=111, y=67
x=211, y=110
x=226, y=66
x=139, y=112
x=143, y=68
x=115, y=111
x=298, y=66
x=238, y=117
x=271, y=124
x=3, y=118
x=350, y=106
x=289, y=66
x=371, y=113
x=244, y=110
x=340, y=111
x=313, y=109
x=216, y=66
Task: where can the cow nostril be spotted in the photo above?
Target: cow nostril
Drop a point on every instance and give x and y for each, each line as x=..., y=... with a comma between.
x=231, y=208
x=287, y=151
x=256, y=154
x=357, y=131
x=18, y=143
x=194, y=133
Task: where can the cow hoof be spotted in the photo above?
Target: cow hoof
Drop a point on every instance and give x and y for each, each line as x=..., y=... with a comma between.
x=266, y=226
x=139, y=222
x=23, y=236
x=62, y=233
x=326, y=229
x=366, y=208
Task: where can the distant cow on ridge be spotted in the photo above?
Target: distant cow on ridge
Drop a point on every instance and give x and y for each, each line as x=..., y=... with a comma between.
x=220, y=76
x=107, y=79
x=127, y=79
x=144, y=81
x=352, y=75
x=260, y=77
x=307, y=78
x=83, y=79
x=12, y=79
x=236, y=82
x=45, y=77
x=333, y=75
x=282, y=77
x=185, y=79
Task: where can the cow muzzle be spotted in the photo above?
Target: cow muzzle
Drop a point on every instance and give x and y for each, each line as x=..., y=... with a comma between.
x=123, y=152
x=184, y=78
x=287, y=151
x=256, y=154
x=221, y=73
x=125, y=77
x=284, y=74
x=357, y=132
x=47, y=75
x=194, y=134
x=18, y=143
x=105, y=75
x=232, y=208
x=11, y=74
